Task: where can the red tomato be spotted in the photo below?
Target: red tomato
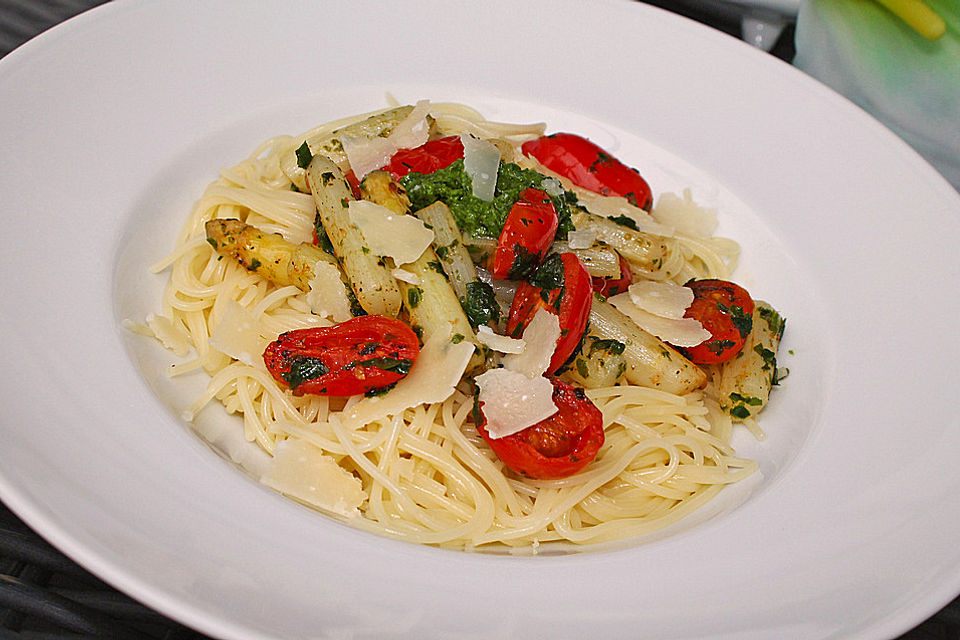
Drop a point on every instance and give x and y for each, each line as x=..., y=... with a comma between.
x=612, y=286
x=361, y=355
x=429, y=157
x=726, y=311
x=558, y=446
x=527, y=234
x=590, y=167
x=561, y=284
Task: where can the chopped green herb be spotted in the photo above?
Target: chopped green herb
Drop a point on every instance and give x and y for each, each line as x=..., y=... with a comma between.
x=379, y=391
x=436, y=266
x=524, y=262
x=480, y=303
x=740, y=411
x=625, y=221
x=582, y=368
x=304, y=155
x=386, y=363
x=368, y=348
x=740, y=319
x=457, y=338
x=303, y=368
x=609, y=345
x=414, y=296
x=769, y=357
x=750, y=400
x=719, y=346
x=549, y=275
x=775, y=321
x=254, y=265
x=212, y=242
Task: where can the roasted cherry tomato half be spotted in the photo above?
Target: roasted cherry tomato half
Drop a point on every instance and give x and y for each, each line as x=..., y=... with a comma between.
x=726, y=311
x=558, y=446
x=527, y=234
x=612, y=286
x=361, y=355
x=590, y=167
x=561, y=284
x=429, y=157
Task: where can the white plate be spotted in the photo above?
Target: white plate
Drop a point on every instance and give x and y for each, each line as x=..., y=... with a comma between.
x=114, y=122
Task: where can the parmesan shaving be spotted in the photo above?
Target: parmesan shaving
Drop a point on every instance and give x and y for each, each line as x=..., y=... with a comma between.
x=170, y=335
x=302, y=471
x=682, y=332
x=481, y=160
x=328, y=295
x=615, y=206
x=541, y=337
x=664, y=299
x=413, y=130
x=406, y=276
x=512, y=401
x=369, y=154
x=401, y=237
x=497, y=342
x=237, y=335
x=432, y=378
x=685, y=215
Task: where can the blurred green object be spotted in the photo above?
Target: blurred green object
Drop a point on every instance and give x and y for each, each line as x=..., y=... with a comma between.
x=907, y=81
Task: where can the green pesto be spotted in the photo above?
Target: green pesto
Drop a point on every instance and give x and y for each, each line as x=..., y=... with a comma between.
x=478, y=217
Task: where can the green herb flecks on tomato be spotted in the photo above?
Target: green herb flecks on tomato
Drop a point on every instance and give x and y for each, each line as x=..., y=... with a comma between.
x=359, y=356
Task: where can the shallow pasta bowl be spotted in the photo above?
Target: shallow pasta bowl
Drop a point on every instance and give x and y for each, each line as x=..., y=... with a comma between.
x=115, y=121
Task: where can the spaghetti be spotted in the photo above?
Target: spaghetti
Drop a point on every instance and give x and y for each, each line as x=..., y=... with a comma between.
x=426, y=474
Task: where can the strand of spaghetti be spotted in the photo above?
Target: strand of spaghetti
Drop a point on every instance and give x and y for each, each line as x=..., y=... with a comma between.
x=709, y=252
x=364, y=464
x=482, y=512
x=623, y=528
x=178, y=252
x=601, y=474
x=478, y=462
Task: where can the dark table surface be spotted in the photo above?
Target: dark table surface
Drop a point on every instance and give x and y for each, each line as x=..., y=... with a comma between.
x=45, y=595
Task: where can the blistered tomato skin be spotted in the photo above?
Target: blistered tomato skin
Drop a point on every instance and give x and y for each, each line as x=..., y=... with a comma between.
x=725, y=310
x=562, y=286
x=429, y=157
x=362, y=355
x=590, y=167
x=558, y=446
x=527, y=235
